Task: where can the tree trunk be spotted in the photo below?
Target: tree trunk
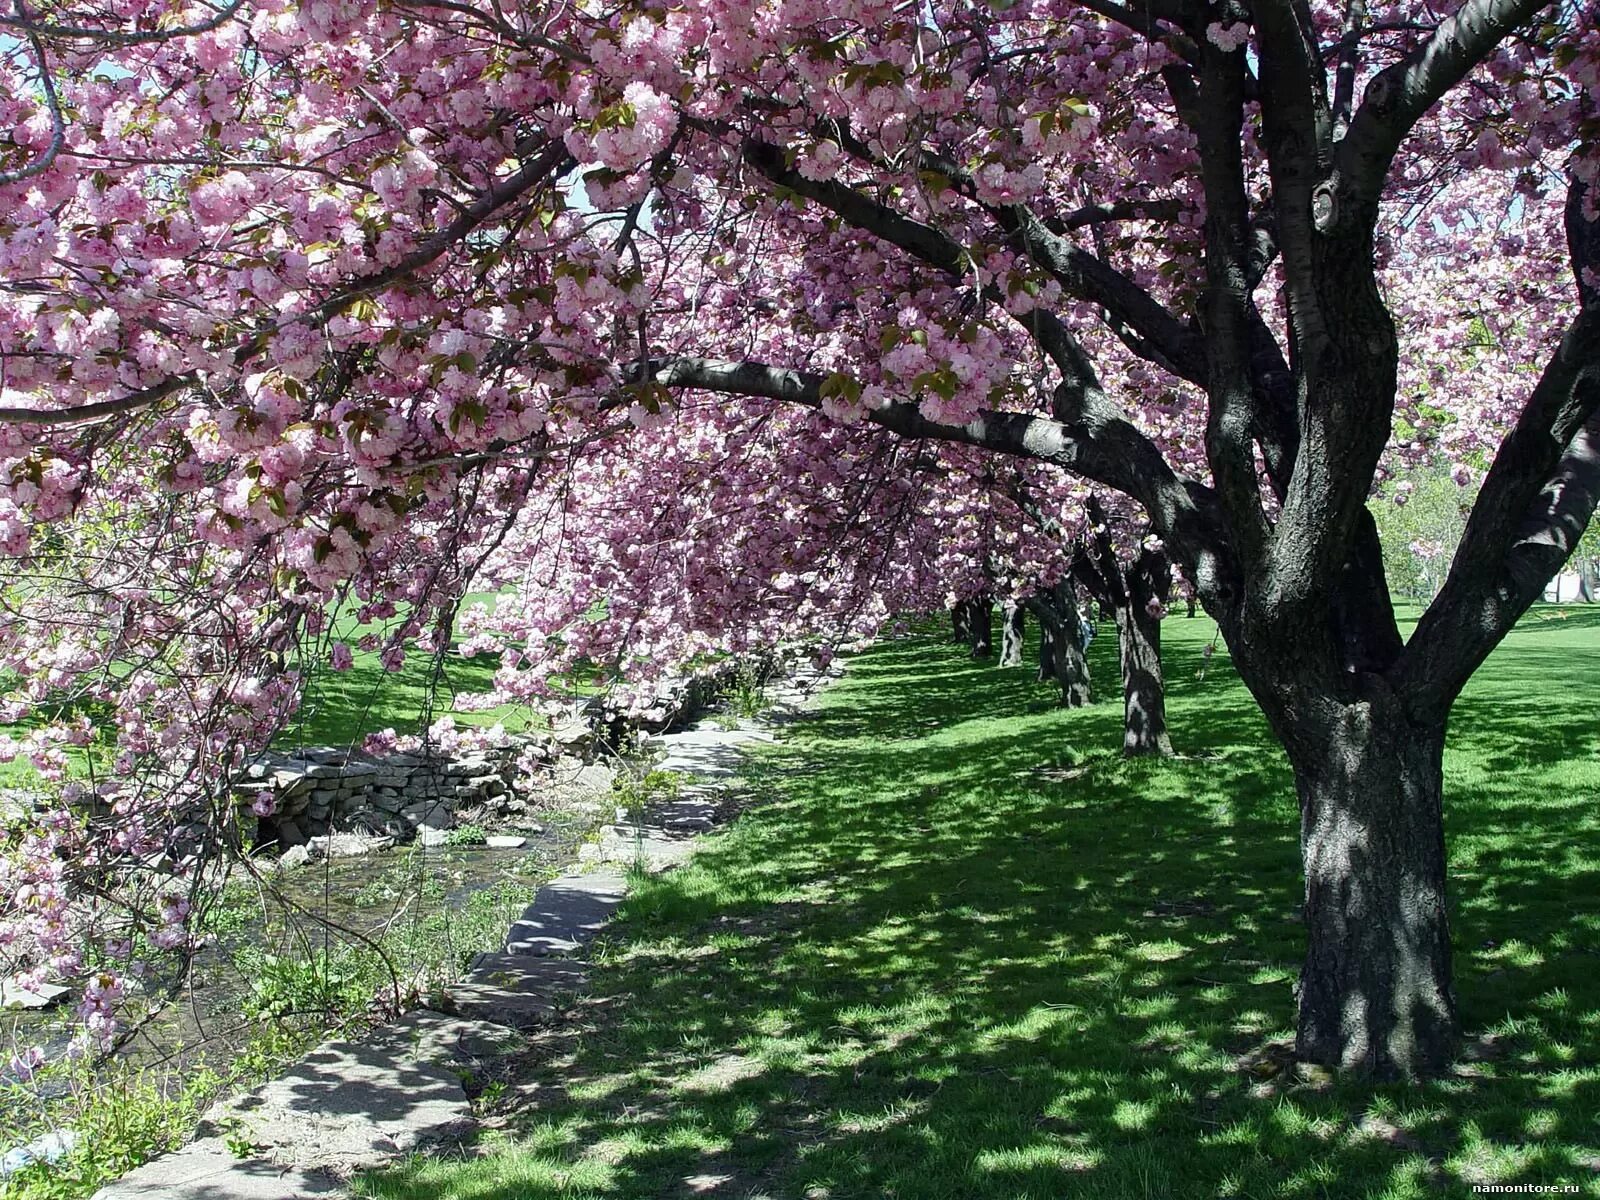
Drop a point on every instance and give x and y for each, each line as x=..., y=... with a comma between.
x=1012, y=632
x=1588, y=584
x=1375, y=996
x=982, y=627
x=1144, y=693
x=961, y=622
x=1060, y=653
x=1070, y=667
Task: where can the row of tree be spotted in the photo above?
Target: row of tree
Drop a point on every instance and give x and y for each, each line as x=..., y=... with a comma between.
x=297, y=311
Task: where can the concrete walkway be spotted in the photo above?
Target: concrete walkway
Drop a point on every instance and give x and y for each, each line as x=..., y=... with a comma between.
x=349, y=1106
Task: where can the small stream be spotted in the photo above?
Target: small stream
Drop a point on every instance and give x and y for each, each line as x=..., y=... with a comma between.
x=429, y=908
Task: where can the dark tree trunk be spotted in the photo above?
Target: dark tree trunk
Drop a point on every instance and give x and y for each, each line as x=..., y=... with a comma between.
x=1070, y=665
x=1144, y=696
x=982, y=627
x=961, y=622
x=1060, y=653
x=1012, y=632
x=1136, y=597
x=1375, y=995
x=1190, y=602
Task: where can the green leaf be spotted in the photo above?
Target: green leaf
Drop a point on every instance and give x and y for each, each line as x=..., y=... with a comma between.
x=839, y=384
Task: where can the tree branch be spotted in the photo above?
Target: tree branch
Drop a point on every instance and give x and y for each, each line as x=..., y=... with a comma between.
x=1106, y=449
x=1534, y=503
x=1398, y=96
x=547, y=163
x=52, y=103
x=113, y=37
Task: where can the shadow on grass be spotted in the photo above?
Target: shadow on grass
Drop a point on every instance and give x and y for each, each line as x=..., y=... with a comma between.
x=963, y=951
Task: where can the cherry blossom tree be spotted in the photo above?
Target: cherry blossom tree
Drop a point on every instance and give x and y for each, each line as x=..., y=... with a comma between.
x=300, y=303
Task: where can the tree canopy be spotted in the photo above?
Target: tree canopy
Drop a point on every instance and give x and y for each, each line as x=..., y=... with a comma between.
x=632, y=309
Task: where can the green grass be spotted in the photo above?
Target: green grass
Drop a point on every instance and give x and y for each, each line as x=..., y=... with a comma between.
x=341, y=707
x=964, y=950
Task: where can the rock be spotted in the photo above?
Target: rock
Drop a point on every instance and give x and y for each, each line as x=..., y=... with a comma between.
x=320, y=771
x=505, y=841
x=348, y=845
x=596, y=778
x=43, y=995
x=515, y=990
x=296, y=856
x=208, y=1170
x=427, y=815
x=566, y=913
x=290, y=834
x=572, y=734
x=354, y=1104
x=47, y=1148
x=433, y=837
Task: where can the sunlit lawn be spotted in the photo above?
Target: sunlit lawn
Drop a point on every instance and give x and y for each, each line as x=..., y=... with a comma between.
x=341, y=707
x=964, y=950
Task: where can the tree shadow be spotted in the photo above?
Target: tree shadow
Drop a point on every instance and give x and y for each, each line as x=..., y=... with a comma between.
x=966, y=950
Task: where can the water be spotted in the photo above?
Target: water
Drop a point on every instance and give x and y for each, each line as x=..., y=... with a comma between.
x=429, y=909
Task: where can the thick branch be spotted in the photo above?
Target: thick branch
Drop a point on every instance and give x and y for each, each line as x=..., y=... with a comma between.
x=1532, y=507
x=1108, y=450
x=1460, y=629
x=1218, y=119
x=928, y=245
x=24, y=24
x=1158, y=335
x=102, y=408
x=1399, y=96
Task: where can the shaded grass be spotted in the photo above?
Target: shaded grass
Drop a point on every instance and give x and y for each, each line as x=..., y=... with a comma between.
x=964, y=950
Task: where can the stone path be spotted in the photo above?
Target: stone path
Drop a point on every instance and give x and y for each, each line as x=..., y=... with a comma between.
x=350, y=1105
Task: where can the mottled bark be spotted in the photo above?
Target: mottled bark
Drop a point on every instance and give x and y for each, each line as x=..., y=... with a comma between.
x=1012, y=633
x=1070, y=665
x=1375, y=994
x=1135, y=597
x=1144, y=692
x=1588, y=580
x=1061, y=656
x=961, y=623
x=1144, y=698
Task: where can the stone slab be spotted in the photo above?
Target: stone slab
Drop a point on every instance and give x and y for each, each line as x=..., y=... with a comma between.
x=14, y=995
x=654, y=848
x=515, y=990
x=208, y=1170
x=566, y=913
x=350, y=1104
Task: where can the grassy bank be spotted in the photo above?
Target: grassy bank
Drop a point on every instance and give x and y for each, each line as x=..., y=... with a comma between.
x=273, y=980
x=964, y=950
